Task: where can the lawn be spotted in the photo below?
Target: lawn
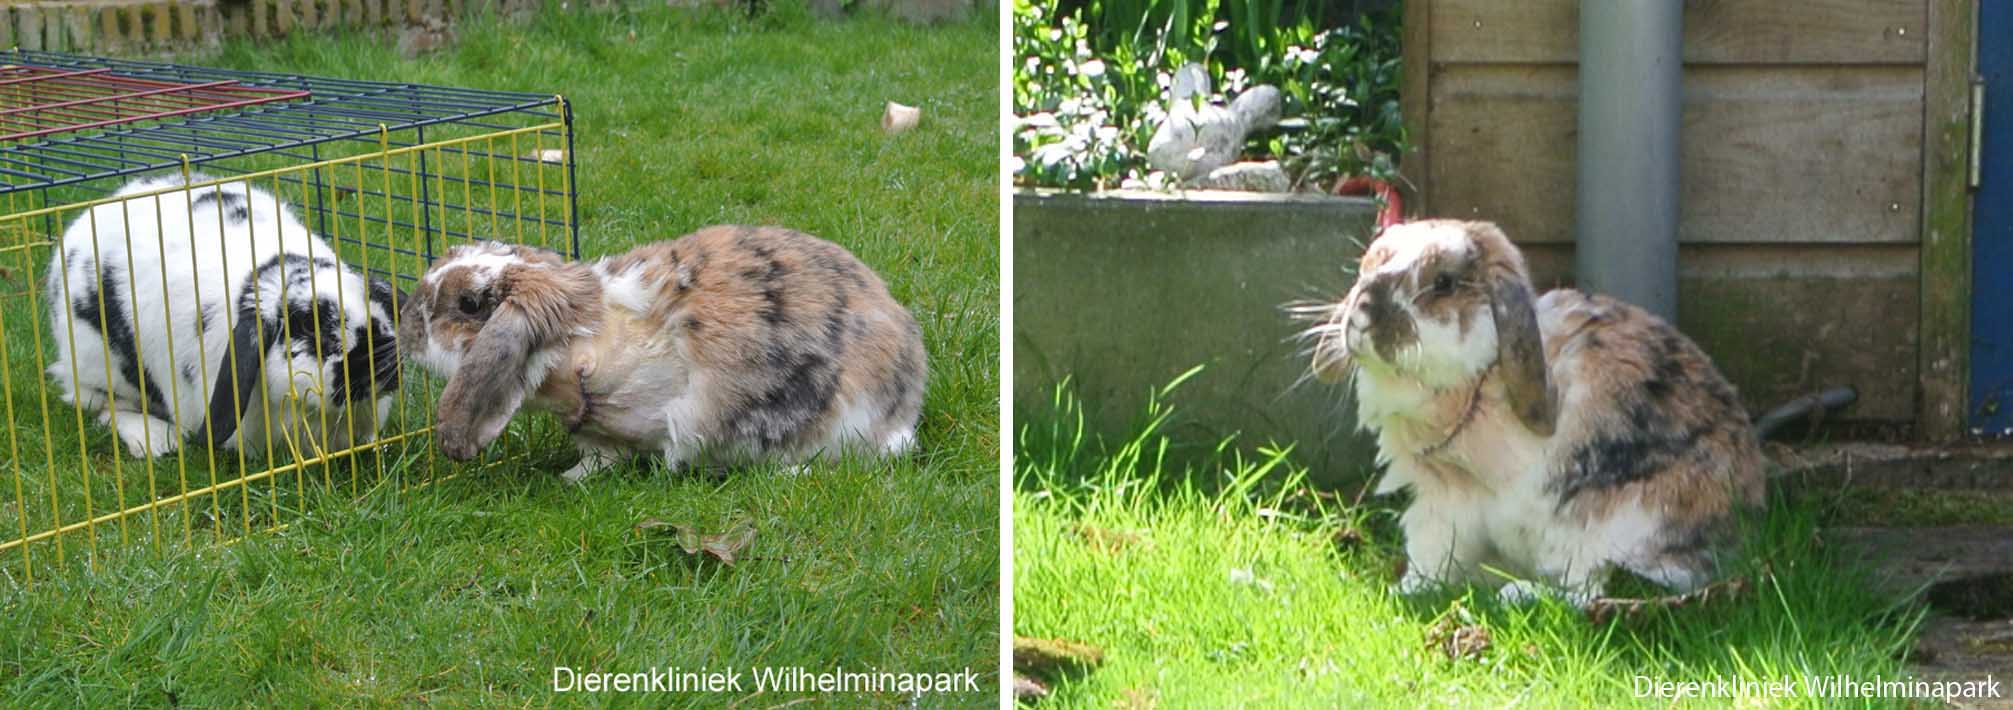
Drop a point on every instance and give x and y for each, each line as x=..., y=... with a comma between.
x=404, y=579
x=1237, y=585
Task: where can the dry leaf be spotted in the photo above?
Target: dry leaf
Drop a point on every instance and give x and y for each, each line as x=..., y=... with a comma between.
x=1138, y=699
x=1106, y=540
x=725, y=546
x=1456, y=639
x=1051, y=657
x=1025, y=688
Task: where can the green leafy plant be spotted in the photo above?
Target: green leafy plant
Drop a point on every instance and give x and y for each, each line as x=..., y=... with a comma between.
x=1080, y=118
x=1088, y=94
x=1345, y=85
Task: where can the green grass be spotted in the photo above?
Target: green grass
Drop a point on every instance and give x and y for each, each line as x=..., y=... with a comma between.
x=472, y=588
x=1238, y=586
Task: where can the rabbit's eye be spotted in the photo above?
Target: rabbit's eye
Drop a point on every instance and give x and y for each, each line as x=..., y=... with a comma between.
x=1443, y=284
x=469, y=304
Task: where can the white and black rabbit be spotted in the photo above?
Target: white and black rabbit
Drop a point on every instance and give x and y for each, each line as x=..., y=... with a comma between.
x=1553, y=438
x=216, y=307
x=748, y=342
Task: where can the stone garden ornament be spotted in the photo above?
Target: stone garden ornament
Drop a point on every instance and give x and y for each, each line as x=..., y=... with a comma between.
x=1199, y=141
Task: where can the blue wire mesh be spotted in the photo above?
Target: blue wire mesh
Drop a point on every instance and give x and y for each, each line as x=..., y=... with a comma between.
x=340, y=117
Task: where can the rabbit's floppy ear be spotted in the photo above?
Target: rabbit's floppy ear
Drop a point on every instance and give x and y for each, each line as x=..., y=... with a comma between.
x=238, y=379
x=539, y=306
x=1520, y=352
x=489, y=385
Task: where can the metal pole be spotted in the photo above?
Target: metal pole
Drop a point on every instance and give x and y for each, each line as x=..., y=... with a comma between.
x=1631, y=106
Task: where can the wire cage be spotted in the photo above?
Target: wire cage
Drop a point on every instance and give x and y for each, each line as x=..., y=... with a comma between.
x=388, y=175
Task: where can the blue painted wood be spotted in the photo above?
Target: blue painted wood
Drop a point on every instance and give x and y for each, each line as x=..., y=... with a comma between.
x=1992, y=232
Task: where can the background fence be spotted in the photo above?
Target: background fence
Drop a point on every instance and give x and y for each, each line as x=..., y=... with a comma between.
x=1803, y=260
x=124, y=26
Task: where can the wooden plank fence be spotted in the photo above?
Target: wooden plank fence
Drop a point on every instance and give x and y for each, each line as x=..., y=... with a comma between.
x=129, y=26
x=1802, y=256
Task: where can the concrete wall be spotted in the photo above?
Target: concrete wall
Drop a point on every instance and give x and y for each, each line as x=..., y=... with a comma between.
x=1122, y=292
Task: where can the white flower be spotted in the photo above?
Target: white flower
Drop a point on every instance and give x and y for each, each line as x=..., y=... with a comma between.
x=1039, y=120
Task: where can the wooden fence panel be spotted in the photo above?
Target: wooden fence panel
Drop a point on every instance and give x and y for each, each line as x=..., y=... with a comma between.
x=1802, y=154
x=1715, y=31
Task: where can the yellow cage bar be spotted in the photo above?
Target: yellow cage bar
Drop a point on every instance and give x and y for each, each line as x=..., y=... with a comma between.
x=387, y=198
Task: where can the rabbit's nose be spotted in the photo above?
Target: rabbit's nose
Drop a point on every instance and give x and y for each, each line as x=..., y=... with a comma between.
x=1374, y=305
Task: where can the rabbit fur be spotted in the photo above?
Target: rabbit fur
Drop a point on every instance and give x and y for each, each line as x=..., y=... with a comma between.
x=1553, y=439
x=216, y=308
x=745, y=342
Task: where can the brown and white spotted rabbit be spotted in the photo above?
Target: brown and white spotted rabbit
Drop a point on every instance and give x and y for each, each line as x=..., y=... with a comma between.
x=745, y=342
x=1554, y=438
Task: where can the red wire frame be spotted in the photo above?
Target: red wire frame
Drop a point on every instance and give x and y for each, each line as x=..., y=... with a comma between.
x=38, y=101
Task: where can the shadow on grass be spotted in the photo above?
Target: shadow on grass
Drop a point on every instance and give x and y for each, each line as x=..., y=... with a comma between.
x=1238, y=581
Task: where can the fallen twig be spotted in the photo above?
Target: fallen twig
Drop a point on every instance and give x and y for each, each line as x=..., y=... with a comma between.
x=1603, y=609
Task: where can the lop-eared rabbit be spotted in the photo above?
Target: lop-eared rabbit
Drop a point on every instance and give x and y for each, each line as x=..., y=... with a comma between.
x=745, y=343
x=262, y=324
x=1555, y=437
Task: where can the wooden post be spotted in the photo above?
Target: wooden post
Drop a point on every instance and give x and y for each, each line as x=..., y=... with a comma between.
x=133, y=26
x=110, y=39
x=185, y=21
x=28, y=27
x=77, y=28
x=1945, y=355
x=1414, y=100
x=52, y=29
x=164, y=23
x=237, y=20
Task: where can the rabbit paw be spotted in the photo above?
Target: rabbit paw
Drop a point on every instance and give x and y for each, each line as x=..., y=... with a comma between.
x=591, y=461
x=145, y=437
x=1414, y=583
x=1524, y=592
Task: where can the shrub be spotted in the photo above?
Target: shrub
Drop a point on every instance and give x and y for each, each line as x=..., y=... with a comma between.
x=1088, y=94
